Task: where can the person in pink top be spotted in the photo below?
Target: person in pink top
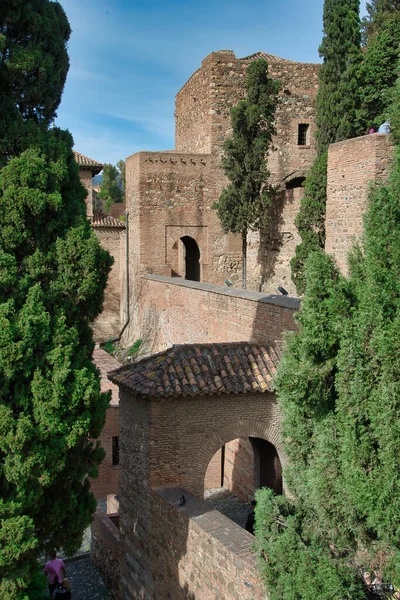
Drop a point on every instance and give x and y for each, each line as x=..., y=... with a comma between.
x=54, y=567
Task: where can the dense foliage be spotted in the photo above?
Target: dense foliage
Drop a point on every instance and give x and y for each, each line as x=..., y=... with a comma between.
x=337, y=117
x=112, y=187
x=338, y=94
x=338, y=385
x=379, y=69
x=33, y=67
x=310, y=220
x=52, y=277
x=243, y=204
x=377, y=13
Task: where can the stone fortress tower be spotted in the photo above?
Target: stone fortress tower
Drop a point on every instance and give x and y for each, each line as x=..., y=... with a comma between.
x=170, y=194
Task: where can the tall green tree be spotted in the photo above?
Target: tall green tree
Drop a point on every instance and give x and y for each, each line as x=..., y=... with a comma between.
x=33, y=67
x=379, y=69
x=337, y=118
x=338, y=385
x=122, y=177
x=52, y=278
x=111, y=186
x=377, y=13
x=243, y=204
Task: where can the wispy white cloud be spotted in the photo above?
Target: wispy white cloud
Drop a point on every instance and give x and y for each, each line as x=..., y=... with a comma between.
x=130, y=57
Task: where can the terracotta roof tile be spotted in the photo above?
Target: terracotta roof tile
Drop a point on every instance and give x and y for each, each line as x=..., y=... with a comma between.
x=87, y=163
x=99, y=220
x=202, y=369
x=271, y=58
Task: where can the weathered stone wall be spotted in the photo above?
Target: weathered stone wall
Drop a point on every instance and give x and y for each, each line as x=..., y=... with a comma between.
x=202, y=554
x=203, y=109
x=106, y=551
x=176, y=311
x=171, y=194
x=107, y=324
x=352, y=166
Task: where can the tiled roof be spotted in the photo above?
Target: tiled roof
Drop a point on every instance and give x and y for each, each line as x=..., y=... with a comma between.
x=202, y=369
x=105, y=363
x=107, y=221
x=87, y=163
x=271, y=58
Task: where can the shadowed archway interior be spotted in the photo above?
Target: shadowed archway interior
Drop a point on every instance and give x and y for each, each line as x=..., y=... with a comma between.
x=192, y=258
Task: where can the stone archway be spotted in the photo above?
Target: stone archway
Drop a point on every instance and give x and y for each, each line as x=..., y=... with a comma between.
x=259, y=430
x=191, y=258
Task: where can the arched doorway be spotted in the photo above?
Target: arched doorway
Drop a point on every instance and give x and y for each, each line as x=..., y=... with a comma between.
x=192, y=258
x=296, y=182
x=244, y=465
x=267, y=466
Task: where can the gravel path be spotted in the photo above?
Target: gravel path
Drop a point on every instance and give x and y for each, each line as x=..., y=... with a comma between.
x=86, y=581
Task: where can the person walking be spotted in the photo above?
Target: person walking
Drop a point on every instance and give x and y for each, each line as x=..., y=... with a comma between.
x=54, y=571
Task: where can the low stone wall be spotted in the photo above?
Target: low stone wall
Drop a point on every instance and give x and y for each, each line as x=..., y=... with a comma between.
x=106, y=550
x=176, y=311
x=193, y=551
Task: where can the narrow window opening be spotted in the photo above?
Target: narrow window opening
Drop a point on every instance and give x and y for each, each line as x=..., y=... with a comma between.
x=302, y=136
x=115, y=451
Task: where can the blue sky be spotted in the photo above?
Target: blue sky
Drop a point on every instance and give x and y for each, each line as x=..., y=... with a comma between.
x=130, y=57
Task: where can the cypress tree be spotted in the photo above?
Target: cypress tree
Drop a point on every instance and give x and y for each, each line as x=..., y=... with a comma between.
x=243, y=204
x=52, y=279
x=337, y=118
x=338, y=385
x=379, y=69
x=33, y=67
x=377, y=13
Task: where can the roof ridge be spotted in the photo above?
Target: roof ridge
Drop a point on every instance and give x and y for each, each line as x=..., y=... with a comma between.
x=87, y=163
x=268, y=57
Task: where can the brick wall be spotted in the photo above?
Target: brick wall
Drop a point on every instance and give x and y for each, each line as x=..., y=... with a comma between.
x=352, y=166
x=184, y=545
x=203, y=554
x=85, y=175
x=106, y=551
x=213, y=476
x=175, y=311
x=203, y=106
x=107, y=324
x=172, y=441
x=236, y=462
x=182, y=435
x=170, y=194
x=239, y=476
x=107, y=481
